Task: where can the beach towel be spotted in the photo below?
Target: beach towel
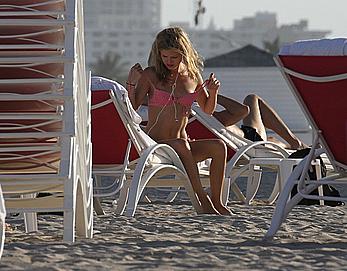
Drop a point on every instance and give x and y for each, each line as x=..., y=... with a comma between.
x=316, y=47
x=102, y=83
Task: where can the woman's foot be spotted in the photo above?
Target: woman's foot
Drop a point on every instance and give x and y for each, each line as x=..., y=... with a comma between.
x=215, y=207
x=208, y=207
x=210, y=210
x=298, y=144
x=223, y=210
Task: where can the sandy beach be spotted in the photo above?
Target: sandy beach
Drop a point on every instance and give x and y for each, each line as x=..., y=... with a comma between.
x=172, y=237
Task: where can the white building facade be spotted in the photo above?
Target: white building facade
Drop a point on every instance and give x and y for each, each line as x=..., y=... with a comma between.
x=123, y=27
x=127, y=28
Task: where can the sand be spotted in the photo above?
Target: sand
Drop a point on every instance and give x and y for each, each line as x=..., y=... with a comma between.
x=172, y=237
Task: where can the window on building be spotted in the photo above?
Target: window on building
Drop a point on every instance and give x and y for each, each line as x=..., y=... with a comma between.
x=97, y=44
x=96, y=55
x=214, y=45
x=97, y=34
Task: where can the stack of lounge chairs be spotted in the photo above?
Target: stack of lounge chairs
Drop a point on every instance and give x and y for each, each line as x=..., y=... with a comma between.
x=45, y=148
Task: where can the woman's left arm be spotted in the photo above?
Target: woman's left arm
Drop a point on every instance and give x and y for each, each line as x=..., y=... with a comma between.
x=208, y=100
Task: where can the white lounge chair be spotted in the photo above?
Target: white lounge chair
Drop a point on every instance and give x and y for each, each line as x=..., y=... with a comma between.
x=121, y=148
x=111, y=144
x=319, y=83
x=2, y=222
x=244, y=156
x=45, y=113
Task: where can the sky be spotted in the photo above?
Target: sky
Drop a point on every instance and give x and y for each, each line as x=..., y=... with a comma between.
x=321, y=14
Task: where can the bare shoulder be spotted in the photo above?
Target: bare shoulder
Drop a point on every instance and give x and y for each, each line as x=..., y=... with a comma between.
x=150, y=74
x=149, y=71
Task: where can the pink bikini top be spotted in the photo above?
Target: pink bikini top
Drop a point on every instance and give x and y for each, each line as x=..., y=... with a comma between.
x=162, y=98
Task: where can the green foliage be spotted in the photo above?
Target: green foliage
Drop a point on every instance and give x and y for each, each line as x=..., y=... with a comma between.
x=272, y=47
x=110, y=66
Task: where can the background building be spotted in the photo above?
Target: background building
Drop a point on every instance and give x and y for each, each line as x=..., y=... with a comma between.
x=127, y=28
x=122, y=27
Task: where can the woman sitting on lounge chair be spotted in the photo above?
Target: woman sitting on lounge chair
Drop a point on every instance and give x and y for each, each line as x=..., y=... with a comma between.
x=171, y=84
x=256, y=115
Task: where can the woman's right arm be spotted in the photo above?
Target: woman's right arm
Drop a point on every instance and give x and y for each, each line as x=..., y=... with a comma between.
x=137, y=85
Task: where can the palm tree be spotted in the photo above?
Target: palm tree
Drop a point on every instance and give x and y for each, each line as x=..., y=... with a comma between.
x=272, y=46
x=111, y=66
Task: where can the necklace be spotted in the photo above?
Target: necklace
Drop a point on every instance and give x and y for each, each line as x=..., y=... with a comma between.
x=173, y=88
x=171, y=79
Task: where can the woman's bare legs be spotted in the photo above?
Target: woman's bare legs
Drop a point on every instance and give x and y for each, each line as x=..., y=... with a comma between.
x=183, y=150
x=234, y=111
x=216, y=150
x=262, y=116
x=196, y=151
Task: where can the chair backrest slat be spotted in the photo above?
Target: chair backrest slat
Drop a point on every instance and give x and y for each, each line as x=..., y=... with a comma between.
x=323, y=102
x=109, y=136
x=196, y=130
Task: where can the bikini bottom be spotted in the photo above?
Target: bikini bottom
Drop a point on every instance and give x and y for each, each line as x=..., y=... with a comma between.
x=250, y=133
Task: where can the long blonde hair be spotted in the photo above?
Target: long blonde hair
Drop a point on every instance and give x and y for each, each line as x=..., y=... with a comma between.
x=175, y=38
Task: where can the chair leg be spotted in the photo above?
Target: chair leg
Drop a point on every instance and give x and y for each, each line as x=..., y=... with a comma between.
x=226, y=190
x=169, y=198
x=145, y=198
x=30, y=219
x=253, y=182
x=238, y=192
x=172, y=196
x=90, y=210
x=232, y=176
x=2, y=222
x=285, y=170
x=123, y=198
x=2, y=235
x=84, y=209
x=275, y=191
x=135, y=192
x=81, y=213
x=96, y=201
x=317, y=168
x=69, y=210
x=284, y=203
x=97, y=206
x=69, y=226
x=279, y=213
